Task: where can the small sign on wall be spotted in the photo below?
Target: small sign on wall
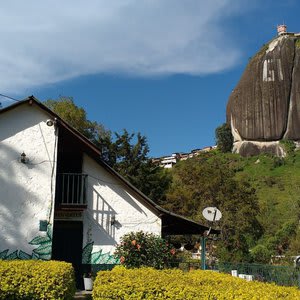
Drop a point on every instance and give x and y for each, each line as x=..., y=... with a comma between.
x=68, y=215
x=43, y=225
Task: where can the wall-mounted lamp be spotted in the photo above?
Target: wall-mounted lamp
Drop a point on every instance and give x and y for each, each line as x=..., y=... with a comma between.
x=24, y=159
x=49, y=122
x=113, y=220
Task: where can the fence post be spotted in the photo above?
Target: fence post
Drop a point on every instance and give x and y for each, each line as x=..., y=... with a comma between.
x=203, y=250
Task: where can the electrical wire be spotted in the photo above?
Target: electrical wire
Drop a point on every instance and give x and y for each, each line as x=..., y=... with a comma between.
x=52, y=174
x=11, y=98
x=45, y=144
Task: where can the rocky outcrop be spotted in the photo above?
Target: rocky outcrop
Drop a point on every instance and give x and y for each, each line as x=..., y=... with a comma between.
x=265, y=105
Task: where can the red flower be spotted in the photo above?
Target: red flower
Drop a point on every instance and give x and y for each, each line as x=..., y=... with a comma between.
x=172, y=251
x=138, y=247
x=122, y=259
x=133, y=242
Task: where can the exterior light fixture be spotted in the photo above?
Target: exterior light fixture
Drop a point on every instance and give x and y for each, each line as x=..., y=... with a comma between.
x=113, y=220
x=24, y=160
x=49, y=122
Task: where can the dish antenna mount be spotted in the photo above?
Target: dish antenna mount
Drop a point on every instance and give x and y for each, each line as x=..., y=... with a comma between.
x=211, y=214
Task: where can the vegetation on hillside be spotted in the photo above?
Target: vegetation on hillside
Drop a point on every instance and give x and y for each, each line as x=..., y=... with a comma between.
x=209, y=180
x=277, y=182
x=259, y=197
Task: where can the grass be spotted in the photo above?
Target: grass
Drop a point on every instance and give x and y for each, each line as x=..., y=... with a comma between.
x=277, y=185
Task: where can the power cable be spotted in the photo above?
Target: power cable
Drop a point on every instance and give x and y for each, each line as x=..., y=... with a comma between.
x=11, y=98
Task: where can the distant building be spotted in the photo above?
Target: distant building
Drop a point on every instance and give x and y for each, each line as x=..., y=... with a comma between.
x=168, y=162
x=282, y=30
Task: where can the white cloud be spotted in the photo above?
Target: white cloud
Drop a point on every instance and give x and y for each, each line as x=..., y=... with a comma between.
x=47, y=41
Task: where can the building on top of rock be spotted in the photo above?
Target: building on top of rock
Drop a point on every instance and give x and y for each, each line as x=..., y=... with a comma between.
x=281, y=29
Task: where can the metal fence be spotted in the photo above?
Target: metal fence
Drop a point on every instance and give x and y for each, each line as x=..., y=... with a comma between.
x=281, y=275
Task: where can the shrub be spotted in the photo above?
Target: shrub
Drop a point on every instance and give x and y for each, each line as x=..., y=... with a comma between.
x=148, y=283
x=289, y=146
x=261, y=254
x=277, y=162
x=34, y=279
x=224, y=138
x=144, y=249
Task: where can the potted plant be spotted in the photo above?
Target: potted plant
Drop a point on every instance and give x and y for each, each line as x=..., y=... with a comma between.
x=88, y=281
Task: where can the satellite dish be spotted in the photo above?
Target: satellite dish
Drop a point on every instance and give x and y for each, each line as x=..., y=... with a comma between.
x=211, y=214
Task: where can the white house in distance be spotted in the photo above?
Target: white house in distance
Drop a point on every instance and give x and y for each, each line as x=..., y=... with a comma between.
x=59, y=200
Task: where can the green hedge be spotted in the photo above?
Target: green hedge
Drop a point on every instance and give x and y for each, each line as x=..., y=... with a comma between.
x=33, y=279
x=147, y=283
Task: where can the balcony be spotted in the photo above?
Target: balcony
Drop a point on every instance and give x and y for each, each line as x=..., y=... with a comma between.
x=71, y=191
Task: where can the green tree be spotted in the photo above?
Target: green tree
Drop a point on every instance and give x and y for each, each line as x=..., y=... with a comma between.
x=279, y=243
x=76, y=117
x=261, y=254
x=128, y=155
x=209, y=180
x=224, y=138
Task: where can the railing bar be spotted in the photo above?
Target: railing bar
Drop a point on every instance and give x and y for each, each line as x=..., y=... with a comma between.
x=68, y=187
x=63, y=188
x=84, y=191
x=72, y=199
x=81, y=190
x=78, y=186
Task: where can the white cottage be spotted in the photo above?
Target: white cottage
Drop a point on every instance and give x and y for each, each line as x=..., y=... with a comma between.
x=59, y=200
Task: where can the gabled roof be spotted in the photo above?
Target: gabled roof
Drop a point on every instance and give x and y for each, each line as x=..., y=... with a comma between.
x=172, y=223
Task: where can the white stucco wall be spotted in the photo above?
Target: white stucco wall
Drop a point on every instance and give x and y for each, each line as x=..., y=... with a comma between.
x=25, y=189
x=107, y=196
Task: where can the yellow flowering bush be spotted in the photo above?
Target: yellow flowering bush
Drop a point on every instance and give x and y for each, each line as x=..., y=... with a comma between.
x=148, y=283
x=34, y=279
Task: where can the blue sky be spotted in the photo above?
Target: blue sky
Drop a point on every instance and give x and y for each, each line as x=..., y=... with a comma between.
x=164, y=68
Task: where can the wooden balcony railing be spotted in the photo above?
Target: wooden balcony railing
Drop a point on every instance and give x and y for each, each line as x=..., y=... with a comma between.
x=71, y=189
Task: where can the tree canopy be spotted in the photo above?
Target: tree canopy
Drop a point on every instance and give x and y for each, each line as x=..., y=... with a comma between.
x=208, y=180
x=224, y=138
x=76, y=117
